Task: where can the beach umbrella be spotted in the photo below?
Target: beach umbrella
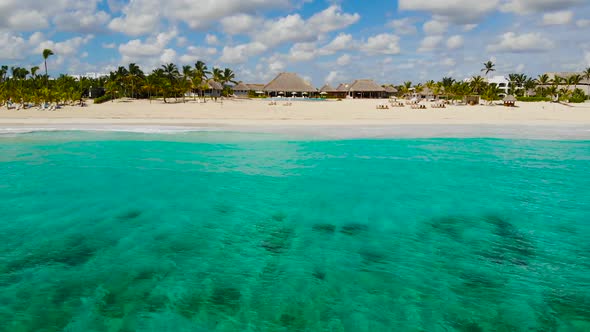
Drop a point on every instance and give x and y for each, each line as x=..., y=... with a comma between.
x=259, y=92
x=281, y=93
x=323, y=93
x=305, y=93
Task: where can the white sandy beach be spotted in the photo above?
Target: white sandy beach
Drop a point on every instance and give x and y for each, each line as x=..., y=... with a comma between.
x=303, y=115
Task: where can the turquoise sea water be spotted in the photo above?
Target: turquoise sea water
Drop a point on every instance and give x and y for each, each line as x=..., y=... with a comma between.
x=245, y=232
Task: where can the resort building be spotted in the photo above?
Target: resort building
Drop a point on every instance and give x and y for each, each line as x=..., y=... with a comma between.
x=584, y=83
x=390, y=91
x=241, y=89
x=342, y=90
x=366, y=89
x=330, y=92
x=289, y=85
x=215, y=89
x=502, y=83
x=424, y=93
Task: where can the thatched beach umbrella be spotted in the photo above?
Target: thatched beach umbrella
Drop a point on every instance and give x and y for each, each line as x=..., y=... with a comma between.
x=509, y=101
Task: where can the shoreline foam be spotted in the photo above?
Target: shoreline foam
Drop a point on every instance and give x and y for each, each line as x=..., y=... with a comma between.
x=562, y=132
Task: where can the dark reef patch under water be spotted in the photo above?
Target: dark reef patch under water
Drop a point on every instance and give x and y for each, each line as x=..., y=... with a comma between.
x=270, y=235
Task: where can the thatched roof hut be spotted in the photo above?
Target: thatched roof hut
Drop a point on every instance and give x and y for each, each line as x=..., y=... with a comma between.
x=366, y=89
x=241, y=87
x=365, y=86
x=214, y=85
x=509, y=100
x=327, y=88
x=343, y=87
x=289, y=82
x=256, y=87
x=390, y=89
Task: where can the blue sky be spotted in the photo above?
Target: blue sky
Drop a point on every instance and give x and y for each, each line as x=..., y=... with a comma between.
x=325, y=41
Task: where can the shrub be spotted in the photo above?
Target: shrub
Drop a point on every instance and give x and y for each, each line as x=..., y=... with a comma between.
x=577, y=99
x=578, y=96
x=103, y=99
x=533, y=99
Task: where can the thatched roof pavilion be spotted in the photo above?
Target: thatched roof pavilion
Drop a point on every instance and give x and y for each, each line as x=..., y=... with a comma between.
x=328, y=89
x=241, y=87
x=289, y=83
x=343, y=87
x=256, y=87
x=390, y=91
x=366, y=89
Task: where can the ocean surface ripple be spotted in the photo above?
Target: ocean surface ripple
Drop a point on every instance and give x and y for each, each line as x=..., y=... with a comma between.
x=254, y=232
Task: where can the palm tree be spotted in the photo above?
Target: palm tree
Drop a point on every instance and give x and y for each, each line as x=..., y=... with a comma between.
x=477, y=84
x=171, y=73
x=46, y=54
x=187, y=75
x=575, y=80
x=447, y=84
x=34, y=71
x=228, y=76
x=557, y=80
x=488, y=67
x=491, y=93
x=134, y=75
x=200, y=75
x=586, y=75
x=513, y=82
x=529, y=84
x=217, y=75
x=3, y=72
x=543, y=81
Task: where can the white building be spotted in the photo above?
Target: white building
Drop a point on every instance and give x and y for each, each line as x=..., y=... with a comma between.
x=90, y=75
x=502, y=83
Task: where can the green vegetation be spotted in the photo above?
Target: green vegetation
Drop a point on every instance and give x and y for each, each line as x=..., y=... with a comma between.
x=524, y=88
x=533, y=99
x=24, y=86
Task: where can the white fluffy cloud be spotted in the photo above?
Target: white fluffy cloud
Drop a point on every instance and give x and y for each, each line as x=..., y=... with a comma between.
x=558, y=18
x=344, y=60
x=455, y=42
x=241, y=53
x=458, y=11
x=384, y=44
x=435, y=27
x=141, y=16
x=583, y=23
x=341, y=42
x=67, y=47
x=510, y=42
x=293, y=28
x=448, y=62
x=430, y=43
x=538, y=6
x=69, y=15
x=135, y=49
x=13, y=47
x=240, y=24
x=211, y=39
x=196, y=53
x=404, y=26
